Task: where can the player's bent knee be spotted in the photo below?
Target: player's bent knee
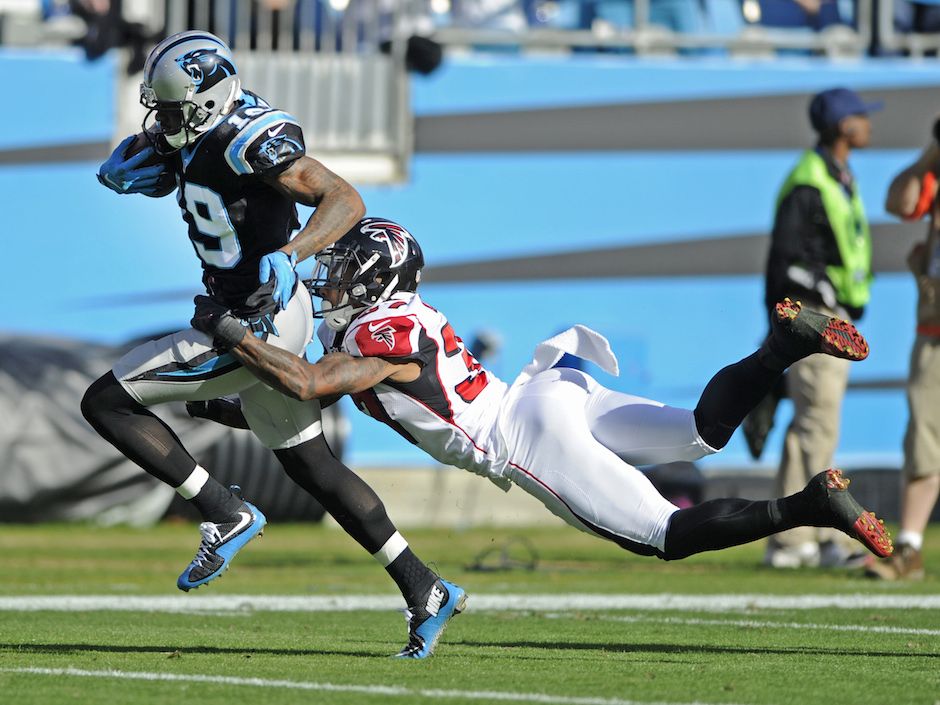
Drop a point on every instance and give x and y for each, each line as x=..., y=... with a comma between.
x=103, y=397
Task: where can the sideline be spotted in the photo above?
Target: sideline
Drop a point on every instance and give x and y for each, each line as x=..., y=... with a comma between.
x=477, y=603
x=757, y=624
x=376, y=690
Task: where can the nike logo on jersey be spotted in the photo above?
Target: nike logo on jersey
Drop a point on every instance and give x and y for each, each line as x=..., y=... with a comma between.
x=434, y=601
x=275, y=131
x=244, y=518
x=383, y=332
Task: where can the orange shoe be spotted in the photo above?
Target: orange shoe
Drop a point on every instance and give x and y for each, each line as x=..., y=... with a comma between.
x=906, y=563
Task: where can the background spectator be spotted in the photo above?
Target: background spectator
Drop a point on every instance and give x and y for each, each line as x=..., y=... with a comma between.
x=911, y=195
x=820, y=254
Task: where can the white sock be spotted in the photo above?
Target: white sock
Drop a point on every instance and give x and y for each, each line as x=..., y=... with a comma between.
x=912, y=538
x=391, y=550
x=191, y=486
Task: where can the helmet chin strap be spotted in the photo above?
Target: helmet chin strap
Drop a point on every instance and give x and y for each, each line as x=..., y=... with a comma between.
x=338, y=317
x=336, y=321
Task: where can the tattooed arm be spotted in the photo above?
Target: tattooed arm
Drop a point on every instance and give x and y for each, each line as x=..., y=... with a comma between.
x=332, y=375
x=338, y=205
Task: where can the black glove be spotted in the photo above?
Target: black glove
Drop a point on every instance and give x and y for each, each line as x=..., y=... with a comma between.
x=214, y=319
x=259, y=303
x=226, y=411
x=936, y=130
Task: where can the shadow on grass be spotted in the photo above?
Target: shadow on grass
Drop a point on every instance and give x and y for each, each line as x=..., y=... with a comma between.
x=372, y=650
x=690, y=649
x=174, y=651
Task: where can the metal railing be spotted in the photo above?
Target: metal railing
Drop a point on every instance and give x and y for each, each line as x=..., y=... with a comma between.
x=341, y=73
x=318, y=26
x=914, y=44
x=643, y=36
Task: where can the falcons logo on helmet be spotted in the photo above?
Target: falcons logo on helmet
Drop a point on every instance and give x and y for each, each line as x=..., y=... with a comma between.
x=393, y=236
x=383, y=332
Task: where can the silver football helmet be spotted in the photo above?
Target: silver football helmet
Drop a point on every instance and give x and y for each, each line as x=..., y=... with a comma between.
x=190, y=83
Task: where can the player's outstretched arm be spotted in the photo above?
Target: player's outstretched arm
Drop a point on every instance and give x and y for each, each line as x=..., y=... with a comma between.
x=332, y=375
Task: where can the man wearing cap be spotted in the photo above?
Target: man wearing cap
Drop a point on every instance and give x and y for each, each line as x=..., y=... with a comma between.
x=820, y=254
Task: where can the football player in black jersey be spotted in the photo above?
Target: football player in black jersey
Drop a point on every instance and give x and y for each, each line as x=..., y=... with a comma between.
x=239, y=168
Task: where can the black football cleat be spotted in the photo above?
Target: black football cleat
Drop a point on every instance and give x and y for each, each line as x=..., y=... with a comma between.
x=797, y=332
x=219, y=545
x=839, y=510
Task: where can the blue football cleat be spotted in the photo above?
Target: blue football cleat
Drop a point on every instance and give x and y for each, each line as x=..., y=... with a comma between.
x=219, y=544
x=426, y=623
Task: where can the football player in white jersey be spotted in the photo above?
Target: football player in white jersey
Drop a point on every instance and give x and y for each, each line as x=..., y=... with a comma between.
x=555, y=432
x=239, y=168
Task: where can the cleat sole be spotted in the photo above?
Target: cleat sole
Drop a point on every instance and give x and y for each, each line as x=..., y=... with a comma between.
x=838, y=337
x=871, y=532
x=841, y=339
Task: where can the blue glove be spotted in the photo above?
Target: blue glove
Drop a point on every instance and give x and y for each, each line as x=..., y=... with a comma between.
x=126, y=175
x=284, y=275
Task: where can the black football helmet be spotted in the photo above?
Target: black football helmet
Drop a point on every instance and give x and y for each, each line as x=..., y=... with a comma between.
x=374, y=260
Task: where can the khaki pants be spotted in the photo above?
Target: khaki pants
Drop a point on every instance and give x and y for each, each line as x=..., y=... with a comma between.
x=816, y=385
x=922, y=439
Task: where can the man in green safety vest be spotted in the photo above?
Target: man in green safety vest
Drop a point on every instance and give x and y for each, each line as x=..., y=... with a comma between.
x=820, y=254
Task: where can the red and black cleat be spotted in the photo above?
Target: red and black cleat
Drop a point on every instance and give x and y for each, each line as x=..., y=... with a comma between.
x=797, y=332
x=848, y=515
x=805, y=331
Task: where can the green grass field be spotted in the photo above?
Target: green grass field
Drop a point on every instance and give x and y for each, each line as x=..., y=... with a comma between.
x=727, y=635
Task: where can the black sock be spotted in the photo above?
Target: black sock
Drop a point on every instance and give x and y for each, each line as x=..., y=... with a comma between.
x=216, y=502
x=721, y=523
x=412, y=576
x=729, y=396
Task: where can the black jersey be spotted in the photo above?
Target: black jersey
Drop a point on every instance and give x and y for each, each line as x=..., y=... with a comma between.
x=234, y=217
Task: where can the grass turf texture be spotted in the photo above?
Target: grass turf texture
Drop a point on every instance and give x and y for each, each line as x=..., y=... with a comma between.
x=746, y=657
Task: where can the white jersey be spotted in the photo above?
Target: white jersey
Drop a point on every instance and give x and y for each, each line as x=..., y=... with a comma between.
x=450, y=411
x=556, y=432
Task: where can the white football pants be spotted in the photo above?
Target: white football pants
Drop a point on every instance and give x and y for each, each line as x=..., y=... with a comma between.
x=184, y=367
x=574, y=444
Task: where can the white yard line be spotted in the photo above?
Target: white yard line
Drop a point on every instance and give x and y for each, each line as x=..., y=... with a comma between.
x=383, y=691
x=761, y=624
x=478, y=603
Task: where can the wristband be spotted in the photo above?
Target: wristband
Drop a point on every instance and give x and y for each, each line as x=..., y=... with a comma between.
x=229, y=332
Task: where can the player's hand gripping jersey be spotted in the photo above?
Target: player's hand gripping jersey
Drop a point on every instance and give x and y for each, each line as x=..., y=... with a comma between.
x=450, y=410
x=234, y=217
